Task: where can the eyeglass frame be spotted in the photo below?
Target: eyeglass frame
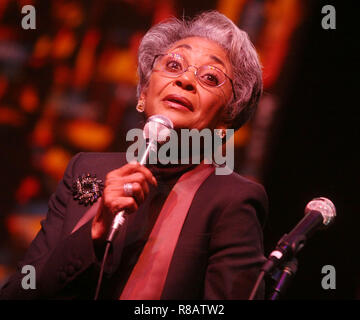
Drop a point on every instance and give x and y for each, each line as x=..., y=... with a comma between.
x=197, y=68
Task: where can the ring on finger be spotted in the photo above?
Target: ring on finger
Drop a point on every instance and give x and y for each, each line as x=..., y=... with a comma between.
x=128, y=189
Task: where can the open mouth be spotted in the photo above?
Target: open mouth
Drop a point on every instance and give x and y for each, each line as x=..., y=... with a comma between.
x=179, y=100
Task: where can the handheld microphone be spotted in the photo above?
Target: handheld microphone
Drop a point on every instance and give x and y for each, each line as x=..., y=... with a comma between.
x=319, y=213
x=156, y=130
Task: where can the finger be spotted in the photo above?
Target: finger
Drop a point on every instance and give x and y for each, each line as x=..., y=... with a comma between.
x=128, y=168
x=139, y=188
x=131, y=168
x=148, y=174
x=138, y=193
x=139, y=178
x=128, y=204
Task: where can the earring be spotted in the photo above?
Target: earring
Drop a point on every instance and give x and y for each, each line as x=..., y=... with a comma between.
x=221, y=133
x=140, y=106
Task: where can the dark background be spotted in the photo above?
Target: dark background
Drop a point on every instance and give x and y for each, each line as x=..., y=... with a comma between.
x=315, y=152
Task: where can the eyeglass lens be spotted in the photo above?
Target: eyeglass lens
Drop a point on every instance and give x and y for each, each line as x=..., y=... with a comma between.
x=174, y=65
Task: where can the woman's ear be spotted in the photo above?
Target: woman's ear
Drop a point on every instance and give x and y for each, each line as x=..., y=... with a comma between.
x=143, y=95
x=220, y=130
x=141, y=103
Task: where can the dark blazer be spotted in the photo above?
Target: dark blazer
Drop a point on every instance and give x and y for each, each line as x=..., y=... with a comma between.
x=218, y=254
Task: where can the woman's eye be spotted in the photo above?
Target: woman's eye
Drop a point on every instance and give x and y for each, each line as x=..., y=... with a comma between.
x=210, y=79
x=173, y=66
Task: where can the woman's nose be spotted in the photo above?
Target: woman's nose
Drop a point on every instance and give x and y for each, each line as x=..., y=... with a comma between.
x=187, y=80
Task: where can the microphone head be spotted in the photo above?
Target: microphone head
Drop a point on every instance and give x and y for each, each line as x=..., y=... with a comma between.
x=325, y=207
x=158, y=128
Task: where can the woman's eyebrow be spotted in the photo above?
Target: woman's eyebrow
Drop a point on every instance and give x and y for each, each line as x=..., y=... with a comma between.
x=215, y=58
x=186, y=46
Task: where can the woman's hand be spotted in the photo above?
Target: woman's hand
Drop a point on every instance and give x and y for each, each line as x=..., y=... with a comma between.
x=114, y=198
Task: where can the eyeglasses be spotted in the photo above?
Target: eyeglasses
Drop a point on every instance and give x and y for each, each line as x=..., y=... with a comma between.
x=175, y=65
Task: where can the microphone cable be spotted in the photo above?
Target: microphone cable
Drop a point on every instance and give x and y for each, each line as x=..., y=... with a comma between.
x=107, y=248
x=257, y=285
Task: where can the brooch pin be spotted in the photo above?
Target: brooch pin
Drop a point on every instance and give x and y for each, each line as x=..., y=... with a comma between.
x=87, y=189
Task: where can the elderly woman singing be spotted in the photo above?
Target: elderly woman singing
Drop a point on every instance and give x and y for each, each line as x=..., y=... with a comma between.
x=187, y=233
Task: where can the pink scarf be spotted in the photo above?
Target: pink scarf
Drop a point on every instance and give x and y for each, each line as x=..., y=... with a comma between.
x=147, y=279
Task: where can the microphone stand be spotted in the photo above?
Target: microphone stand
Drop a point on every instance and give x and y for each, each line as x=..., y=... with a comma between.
x=319, y=212
x=283, y=278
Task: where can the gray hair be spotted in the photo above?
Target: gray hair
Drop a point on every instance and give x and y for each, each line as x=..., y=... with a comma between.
x=218, y=28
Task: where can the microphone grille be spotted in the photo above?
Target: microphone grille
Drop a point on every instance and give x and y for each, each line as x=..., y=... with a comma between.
x=325, y=207
x=158, y=128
